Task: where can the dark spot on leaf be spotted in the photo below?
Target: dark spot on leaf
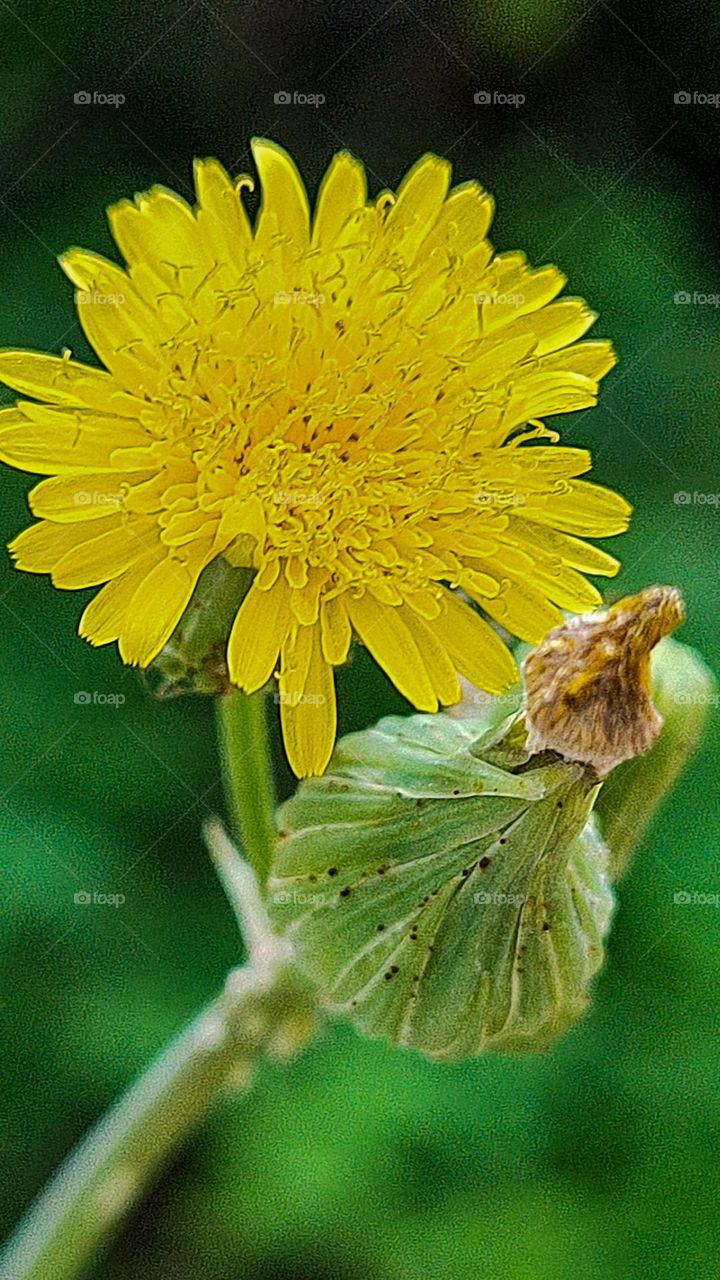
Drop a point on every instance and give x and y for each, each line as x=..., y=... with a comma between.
x=332, y=871
x=484, y=863
x=345, y=893
x=380, y=928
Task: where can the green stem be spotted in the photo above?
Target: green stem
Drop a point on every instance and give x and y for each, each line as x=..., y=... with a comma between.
x=106, y=1175
x=247, y=774
x=265, y=1010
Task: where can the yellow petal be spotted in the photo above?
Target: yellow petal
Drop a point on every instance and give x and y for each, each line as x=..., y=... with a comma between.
x=583, y=508
x=260, y=627
x=336, y=631
x=52, y=440
x=105, y=615
x=418, y=204
x=383, y=632
x=283, y=193
x=307, y=703
x=221, y=217
x=438, y=664
x=159, y=229
x=562, y=546
x=118, y=323
x=39, y=548
x=556, y=325
x=464, y=219
x=591, y=359
x=57, y=380
x=343, y=191
x=477, y=652
x=517, y=290
x=541, y=394
x=89, y=496
x=523, y=609
x=105, y=556
x=158, y=604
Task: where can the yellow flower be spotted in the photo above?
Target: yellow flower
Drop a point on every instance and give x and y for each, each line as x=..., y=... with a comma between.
x=348, y=403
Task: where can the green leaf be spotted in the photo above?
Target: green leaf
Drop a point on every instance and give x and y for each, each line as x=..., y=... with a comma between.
x=445, y=901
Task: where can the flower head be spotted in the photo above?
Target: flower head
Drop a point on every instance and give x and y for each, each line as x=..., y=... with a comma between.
x=347, y=403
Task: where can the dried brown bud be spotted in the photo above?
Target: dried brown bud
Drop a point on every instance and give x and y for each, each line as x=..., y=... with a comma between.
x=588, y=682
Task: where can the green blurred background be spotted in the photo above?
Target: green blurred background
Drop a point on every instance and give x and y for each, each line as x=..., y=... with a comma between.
x=598, y=1159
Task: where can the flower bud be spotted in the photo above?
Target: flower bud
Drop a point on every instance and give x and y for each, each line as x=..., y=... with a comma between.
x=445, y=882
x=194, y=658
x=446, y=901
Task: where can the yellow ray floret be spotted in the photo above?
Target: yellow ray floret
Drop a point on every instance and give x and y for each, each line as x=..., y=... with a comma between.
x=349, y=403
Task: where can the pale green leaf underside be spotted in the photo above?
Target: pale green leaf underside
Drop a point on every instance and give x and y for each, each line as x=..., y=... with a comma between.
x=445, y=903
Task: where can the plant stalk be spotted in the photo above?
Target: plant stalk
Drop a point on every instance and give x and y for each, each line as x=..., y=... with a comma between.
x=247, y=775
x=264, y=1011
